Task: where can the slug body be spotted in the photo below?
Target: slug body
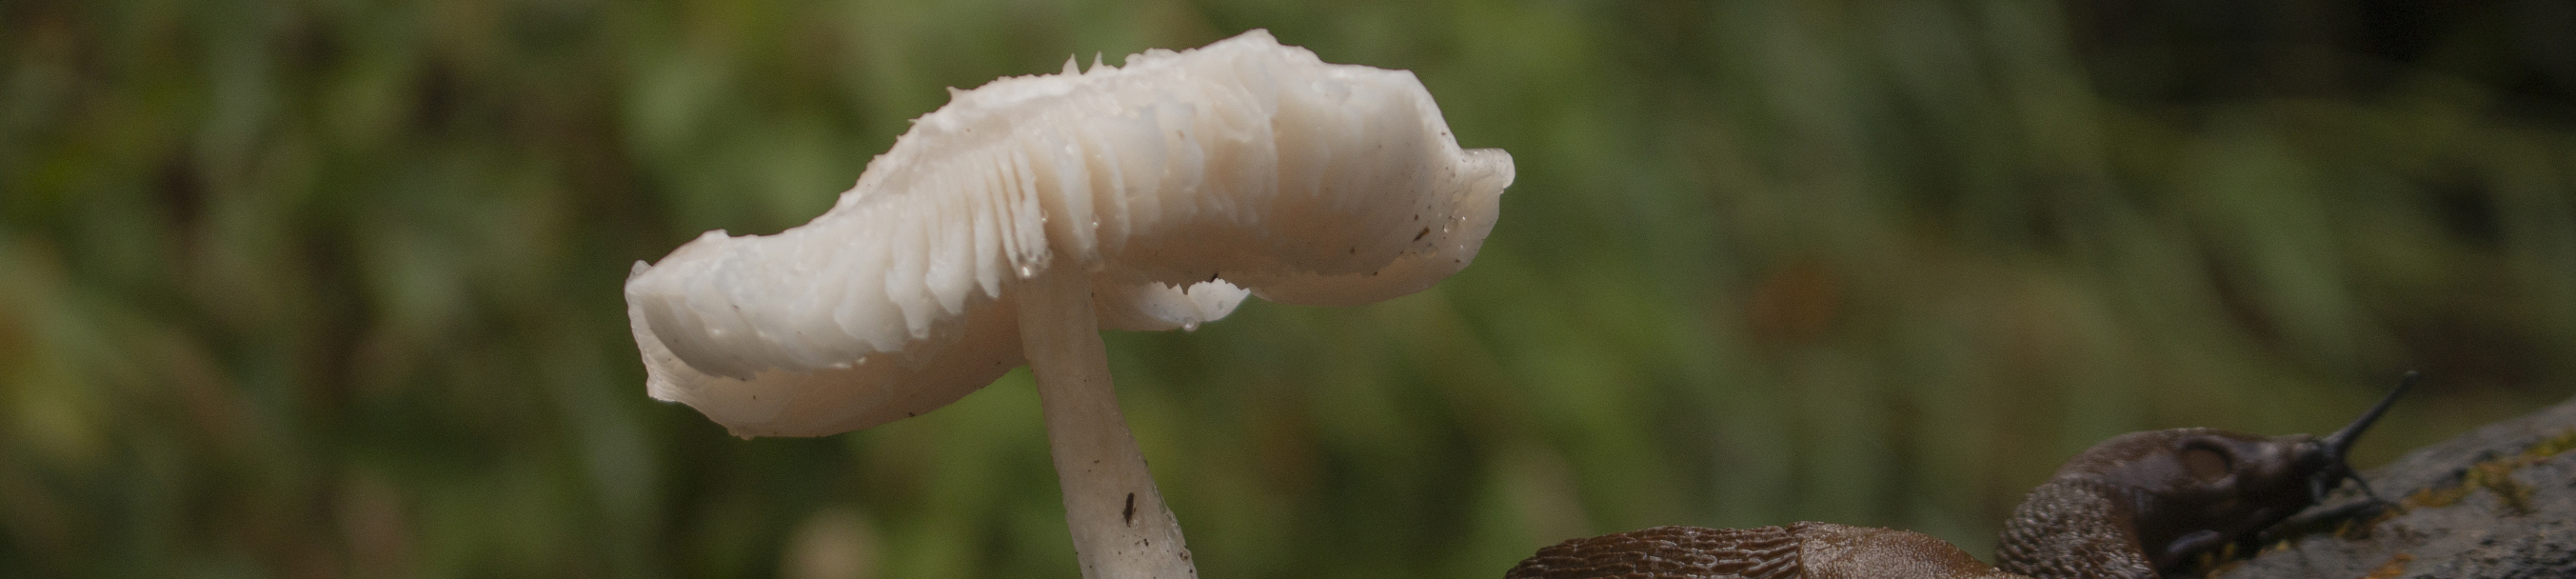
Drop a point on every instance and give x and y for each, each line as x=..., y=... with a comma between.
x=1800, y=550
x=2131, y=507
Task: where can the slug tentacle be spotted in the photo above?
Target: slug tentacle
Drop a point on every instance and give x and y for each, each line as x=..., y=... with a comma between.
x=2338, y=446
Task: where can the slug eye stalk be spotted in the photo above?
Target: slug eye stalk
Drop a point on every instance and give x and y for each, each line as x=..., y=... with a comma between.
x=2338, y=446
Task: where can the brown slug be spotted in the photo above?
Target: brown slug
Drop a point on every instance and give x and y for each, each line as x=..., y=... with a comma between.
x=2131, y=507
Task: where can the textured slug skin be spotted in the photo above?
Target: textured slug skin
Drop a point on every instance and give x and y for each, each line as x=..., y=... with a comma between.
x=2146, y=502
x=1179, y=184
x=1806, y=550
x=2073, y=529
x=1668, y=552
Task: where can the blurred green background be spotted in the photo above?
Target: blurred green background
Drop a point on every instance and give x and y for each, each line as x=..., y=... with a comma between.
x=330, y=289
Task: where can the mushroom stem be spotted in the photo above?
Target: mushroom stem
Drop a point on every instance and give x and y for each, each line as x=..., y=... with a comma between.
x=1121, y=529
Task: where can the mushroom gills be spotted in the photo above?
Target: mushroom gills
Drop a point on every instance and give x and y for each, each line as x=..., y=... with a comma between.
x=1182, y=182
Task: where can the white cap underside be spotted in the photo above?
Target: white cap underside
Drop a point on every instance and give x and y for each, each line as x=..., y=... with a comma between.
x=1182, y=183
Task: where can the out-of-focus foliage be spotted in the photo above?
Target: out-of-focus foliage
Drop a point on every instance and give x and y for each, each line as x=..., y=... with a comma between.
x=330, y=289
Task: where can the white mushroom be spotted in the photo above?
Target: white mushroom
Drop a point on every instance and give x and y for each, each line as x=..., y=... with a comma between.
x=1019, y=219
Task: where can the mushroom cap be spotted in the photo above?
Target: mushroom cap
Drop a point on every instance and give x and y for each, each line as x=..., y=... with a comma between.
x=1179, y=184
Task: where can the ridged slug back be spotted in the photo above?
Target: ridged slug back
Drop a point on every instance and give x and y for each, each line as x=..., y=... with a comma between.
x=1807, y=550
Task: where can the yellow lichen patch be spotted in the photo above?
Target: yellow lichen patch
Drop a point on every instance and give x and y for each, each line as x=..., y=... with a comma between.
x=2218, y=561
x=2496, y=476
x=2436, y=497
x=2212, y=571
x=2354, y=529
x=2395, y=566
x=2549, y=447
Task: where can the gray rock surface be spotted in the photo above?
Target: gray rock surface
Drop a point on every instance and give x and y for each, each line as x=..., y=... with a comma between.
x=2498, y=502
